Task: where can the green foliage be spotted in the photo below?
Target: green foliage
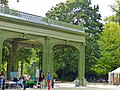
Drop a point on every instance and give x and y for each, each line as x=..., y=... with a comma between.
x=92, y=53
x=78, y=12
x=116, y=17
x=4, y=3
x=109, y=45
x=5, y=58
x=5, y=55
x=27, y=56
x=65, y=61
x=5, y=9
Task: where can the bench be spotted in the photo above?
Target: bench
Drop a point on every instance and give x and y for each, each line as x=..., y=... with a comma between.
x=10, y=84
x=56, y=83
x=31, y=83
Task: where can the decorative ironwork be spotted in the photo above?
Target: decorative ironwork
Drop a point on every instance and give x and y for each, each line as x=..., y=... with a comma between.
x=24, y=15
x=39, y=19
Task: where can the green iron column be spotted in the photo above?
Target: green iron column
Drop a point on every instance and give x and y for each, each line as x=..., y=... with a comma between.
x=81, y=66
x=9, y=64
x=14, y=56
x=50, y=58
x=1, y=47
x=47, y=57
x=2, y=38
x=45, y=64
x=50, y=54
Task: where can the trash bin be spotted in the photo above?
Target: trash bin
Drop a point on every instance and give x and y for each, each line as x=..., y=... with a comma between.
x=84, y=82
x=77, y=82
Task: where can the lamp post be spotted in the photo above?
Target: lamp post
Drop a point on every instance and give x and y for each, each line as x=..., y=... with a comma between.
x=34, y=65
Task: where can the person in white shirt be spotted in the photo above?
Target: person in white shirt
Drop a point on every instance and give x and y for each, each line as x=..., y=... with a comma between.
x=20, y=82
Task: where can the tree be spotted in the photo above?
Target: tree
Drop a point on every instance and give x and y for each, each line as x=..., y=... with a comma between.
x=27, y=56
x=115, y=8
x=81, y=13
x=5, y=58
x=65, y=62
x=78, y=12
x=109, y=45
x=4, y=3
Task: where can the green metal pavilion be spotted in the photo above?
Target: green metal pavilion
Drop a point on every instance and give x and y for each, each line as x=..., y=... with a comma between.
x=20, y=27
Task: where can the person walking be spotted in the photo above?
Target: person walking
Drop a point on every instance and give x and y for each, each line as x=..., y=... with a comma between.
x=48, y=80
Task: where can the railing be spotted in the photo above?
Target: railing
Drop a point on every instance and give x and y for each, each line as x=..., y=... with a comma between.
x=24, y=15
x=39, y=19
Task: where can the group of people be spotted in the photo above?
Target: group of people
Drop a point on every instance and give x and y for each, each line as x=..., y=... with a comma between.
x=42, y=80
x=22, y=80
x=30, y=77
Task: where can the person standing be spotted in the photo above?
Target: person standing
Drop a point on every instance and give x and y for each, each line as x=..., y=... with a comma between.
x=48, y=80
x=0, y=81
x=41, y=80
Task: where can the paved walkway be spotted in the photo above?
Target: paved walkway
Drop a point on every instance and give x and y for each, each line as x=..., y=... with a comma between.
x=71, y=86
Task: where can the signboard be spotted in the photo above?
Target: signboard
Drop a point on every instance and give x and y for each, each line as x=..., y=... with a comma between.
x=14, y=74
